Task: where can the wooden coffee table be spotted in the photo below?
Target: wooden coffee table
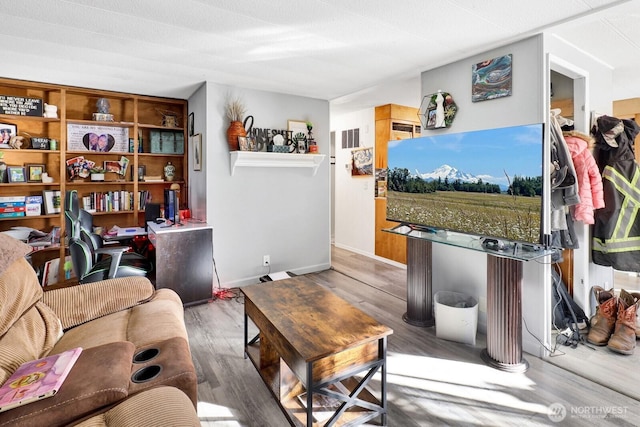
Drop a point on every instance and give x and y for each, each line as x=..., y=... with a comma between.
x=316, y=353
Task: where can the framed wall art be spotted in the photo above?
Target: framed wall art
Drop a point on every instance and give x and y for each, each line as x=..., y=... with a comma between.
x=196, y=141
x=491, y=79
x=191, y=124
x=362, y=162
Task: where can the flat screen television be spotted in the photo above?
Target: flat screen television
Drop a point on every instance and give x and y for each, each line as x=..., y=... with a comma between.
x=486, y=183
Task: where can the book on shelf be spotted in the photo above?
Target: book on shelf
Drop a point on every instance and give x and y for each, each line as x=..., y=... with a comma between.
x=11, y=204
x=153, y=178
x=37, y=379
x=22, y=208
x=11, y=214
x=12, y=199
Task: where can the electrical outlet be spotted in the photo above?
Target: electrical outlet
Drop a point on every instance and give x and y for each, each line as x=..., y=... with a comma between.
x=266, y=260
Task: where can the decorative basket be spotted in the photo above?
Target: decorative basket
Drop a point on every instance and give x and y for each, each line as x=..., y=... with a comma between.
x=280, y=148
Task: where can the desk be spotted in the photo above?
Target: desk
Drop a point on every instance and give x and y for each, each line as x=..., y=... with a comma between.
x=184, y=260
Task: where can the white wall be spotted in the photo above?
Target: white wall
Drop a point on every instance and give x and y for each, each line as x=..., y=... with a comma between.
x=281, y=212
x=354, y=196
x=198, y=179
x=525, y=106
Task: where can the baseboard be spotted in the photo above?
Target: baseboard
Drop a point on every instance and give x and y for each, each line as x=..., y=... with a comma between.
x=256, y=279
x=370, y=255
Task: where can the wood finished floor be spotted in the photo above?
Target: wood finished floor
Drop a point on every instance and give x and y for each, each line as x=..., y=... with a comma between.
x=431, y=382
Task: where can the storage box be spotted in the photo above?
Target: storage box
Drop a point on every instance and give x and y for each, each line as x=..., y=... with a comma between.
x=167, y=142
x=33, y=209
x=456, y=317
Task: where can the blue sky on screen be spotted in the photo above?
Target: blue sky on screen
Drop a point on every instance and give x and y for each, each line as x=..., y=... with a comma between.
x=487, y=154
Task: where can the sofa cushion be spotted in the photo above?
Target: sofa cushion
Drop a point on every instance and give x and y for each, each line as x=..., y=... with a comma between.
x=19, y=291
x=161, y=318
x=166, y=406
x=31, y=337
x=75, y=305
x=100, y=377
x=10, y=250
x=28, y=328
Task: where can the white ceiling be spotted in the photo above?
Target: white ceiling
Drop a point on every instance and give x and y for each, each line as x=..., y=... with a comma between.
x=356, y=53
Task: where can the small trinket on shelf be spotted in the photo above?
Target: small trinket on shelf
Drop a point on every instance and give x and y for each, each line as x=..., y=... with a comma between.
x=169, y=171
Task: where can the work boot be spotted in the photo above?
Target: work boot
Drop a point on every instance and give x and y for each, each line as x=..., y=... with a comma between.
x=623, y=339
x=636, y=295
x=604, y=321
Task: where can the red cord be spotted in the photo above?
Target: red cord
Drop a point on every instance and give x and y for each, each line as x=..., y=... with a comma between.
x=223, y=294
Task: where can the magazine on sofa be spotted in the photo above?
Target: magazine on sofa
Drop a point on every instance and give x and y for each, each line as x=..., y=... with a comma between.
x=37, y=379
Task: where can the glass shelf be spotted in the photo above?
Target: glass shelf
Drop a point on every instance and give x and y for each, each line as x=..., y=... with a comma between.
x=508, y=249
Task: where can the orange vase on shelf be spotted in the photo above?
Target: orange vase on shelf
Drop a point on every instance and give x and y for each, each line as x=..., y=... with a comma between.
x=235, y=130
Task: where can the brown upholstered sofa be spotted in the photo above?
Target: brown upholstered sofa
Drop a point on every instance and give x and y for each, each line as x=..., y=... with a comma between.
x=135, y=368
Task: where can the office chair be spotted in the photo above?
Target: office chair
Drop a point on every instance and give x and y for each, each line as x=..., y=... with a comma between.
x=112, y=266
x=97, y=242
x=82, y=228
x=91, y=261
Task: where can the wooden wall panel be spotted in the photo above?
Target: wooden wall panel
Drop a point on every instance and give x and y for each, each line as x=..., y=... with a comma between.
x=387, y=245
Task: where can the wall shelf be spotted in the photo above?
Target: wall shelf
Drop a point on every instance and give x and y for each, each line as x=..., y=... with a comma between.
x=260, y=159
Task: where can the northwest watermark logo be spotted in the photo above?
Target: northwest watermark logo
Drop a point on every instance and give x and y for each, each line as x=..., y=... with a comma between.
x=557, y=412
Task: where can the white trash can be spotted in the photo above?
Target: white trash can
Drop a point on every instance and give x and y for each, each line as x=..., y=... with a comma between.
x=456, y=317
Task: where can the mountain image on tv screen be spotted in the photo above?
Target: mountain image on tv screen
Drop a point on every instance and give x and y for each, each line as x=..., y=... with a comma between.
x=485, y=183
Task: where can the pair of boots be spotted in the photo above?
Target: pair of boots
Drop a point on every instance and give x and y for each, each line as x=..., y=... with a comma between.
x=615, y=323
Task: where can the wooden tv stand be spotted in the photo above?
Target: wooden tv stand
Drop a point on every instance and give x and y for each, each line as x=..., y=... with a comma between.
x=316, y=353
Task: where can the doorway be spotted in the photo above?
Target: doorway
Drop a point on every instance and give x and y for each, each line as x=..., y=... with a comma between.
x=618, y=372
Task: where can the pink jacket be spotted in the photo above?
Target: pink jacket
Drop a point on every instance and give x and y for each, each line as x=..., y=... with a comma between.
x=589, y=179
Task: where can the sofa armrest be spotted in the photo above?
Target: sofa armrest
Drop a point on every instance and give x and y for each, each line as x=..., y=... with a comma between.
x=75, y=305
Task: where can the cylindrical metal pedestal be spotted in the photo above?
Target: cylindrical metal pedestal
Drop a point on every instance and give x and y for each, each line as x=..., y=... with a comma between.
x=419, y=297
x=504, y=315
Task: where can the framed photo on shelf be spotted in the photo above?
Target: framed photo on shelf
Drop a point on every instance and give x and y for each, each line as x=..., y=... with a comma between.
x=243, y=143
x=16, y=174
x=111, y=166
x=51, y=200
x=97, y=138
x=7, y=130
x=142, y=169
x=296, y=127
x=34, y=173
x=196, y=141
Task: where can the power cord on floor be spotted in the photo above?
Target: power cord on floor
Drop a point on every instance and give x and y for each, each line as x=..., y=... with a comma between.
x=221, y=293
x=552, y=351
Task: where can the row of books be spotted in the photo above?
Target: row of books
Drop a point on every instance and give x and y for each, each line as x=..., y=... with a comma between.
x=115, y=201
x=18, y=206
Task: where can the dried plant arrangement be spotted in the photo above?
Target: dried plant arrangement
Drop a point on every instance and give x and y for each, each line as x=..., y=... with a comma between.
x=235, y=109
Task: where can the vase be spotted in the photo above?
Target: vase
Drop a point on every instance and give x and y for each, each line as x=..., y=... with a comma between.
x=169, y=171
x=3, y=171
x=235, y=130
